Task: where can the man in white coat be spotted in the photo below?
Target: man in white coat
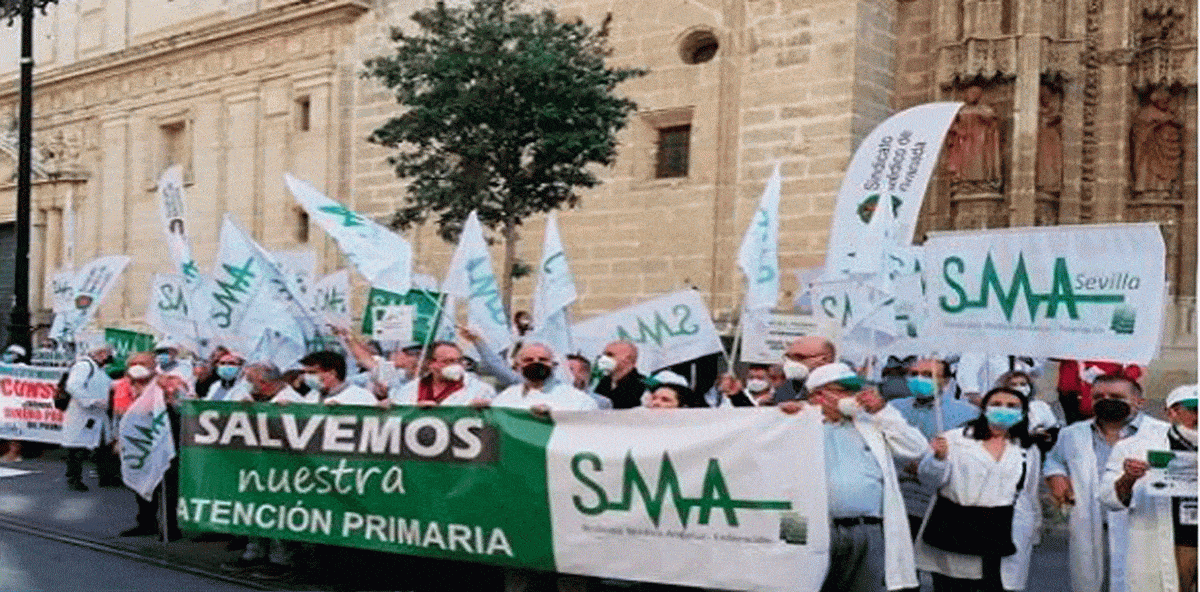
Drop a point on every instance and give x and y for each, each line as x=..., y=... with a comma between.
x=446, y=382
x=870, y=549
x=85, y=422
x=1160, y=552
x=325, y=373
x=540, y=391
x=1073, y=469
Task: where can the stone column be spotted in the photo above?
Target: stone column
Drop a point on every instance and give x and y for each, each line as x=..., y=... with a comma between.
x=1022, y=182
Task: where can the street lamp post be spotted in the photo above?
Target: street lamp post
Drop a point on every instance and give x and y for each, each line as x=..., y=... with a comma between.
x=18, y=324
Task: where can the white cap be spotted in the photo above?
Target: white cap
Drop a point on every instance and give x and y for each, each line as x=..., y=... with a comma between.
x=668, y=377
x=835, y=372
x=1181, y=394
x=17, y=349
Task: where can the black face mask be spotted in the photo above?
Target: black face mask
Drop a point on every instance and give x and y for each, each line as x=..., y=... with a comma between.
x=536, y=372
x=1112, y=409
x=302, y=388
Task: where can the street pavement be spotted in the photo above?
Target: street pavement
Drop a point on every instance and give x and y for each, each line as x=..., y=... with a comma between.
x=84, y=527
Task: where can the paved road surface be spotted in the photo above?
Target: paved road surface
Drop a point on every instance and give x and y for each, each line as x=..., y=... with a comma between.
x=29, y=563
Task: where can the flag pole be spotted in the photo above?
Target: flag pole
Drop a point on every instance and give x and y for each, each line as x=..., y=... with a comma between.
x=162, y=510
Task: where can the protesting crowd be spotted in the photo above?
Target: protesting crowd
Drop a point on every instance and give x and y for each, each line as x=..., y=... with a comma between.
x=938, y=466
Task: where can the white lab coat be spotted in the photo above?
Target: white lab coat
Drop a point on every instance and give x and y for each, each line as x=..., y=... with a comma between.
x=889, y=437
x=971, y=477
x=1086, y=542
x=1150, y=542
x=351, y=395
x=472, y=389
x=86, y=419
x=558, y=396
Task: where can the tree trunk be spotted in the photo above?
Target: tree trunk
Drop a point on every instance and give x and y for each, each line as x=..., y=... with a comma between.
x=510, y=256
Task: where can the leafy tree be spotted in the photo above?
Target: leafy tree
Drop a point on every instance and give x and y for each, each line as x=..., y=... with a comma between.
x=503, y=112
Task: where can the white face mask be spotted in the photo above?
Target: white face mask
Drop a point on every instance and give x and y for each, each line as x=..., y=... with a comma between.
x=138, y=372
x=314, y=382
x=383, y=372
x=453, y=372
x=757, y=385
x=794, y=370
x=1022, y=388
x=1188, y=434
x=848, y=406
x=606, y=364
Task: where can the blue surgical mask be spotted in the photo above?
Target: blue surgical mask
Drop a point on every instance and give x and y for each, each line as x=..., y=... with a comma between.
x=921, y=386
x=227, y=373
x=1003, y=417
x=162, y=359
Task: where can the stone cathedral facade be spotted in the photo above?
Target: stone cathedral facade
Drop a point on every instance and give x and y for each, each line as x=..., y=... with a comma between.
x=1078, y=111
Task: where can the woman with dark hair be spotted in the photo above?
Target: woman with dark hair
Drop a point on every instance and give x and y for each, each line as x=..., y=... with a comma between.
x=979, y=532
x=667, y=390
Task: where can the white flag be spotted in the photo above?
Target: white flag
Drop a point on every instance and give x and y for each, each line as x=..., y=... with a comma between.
x=890, y=169
x=169, y=309
x=380, y=255
x=147, y=446
x=331, y=298
x=759, y=255
x=667, y=330
x=471, y=277
x=172, y=206
x=89, y=287
x=555, y=293
x=241, y=298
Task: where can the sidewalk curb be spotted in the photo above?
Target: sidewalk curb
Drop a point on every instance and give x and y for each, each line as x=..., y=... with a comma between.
x=50, y=533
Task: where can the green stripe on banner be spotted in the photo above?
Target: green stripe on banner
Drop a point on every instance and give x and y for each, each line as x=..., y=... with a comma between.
x=453, y=483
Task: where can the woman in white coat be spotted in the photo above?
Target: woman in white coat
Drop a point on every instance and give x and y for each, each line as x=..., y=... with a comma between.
x=988, y=464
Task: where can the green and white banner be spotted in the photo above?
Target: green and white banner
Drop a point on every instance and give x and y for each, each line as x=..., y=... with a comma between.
x=667, y=330
x=1084, y=292
x=676, y=497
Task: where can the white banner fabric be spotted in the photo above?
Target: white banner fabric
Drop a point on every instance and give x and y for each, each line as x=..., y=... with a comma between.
x=172, y=207
x=667, y=330
x=169, y=309
x=89, y=287
x=700, y=503
x=380, y=255
x=759, y=254
x=147, y=446
x=555, y=293
x=470, y=276
x=1084, y=292
x=331, y=298
x=766, y=335
x=891, y=168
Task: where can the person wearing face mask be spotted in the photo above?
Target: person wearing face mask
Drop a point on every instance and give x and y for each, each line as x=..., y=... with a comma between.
x=228, y=370
x=265, y=383
x=446, y=381
x=978, y=535
x=581, y=374
x=166, y=355
x=804, y=355
x=1043, y=424
x=1160, y=531
x=620, y=380
x=869, y=546
x=539, y=390
x=1073, y=470
x=758, y=388
x=85, y=421
x=325, y=375
x=925, y=378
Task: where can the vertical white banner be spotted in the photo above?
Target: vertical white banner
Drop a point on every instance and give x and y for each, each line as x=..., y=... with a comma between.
x=89, y=285
x=169, y=309
x=759, y=254
x=470, y=276
x=890, y=169
x=555, y=292
x=147, y=445
x=172, y=207
x=331, y=298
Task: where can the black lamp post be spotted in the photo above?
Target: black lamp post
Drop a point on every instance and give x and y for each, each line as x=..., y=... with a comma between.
x=18, y=324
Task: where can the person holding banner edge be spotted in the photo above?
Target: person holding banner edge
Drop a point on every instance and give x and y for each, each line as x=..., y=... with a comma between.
x=870, y=546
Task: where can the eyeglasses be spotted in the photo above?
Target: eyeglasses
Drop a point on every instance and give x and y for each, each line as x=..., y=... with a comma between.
x=925, y=373
x=802, y=357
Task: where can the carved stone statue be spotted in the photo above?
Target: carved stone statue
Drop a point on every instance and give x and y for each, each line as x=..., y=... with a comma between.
x=1156, y=144
x=973, y=144
x=1050, y=142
